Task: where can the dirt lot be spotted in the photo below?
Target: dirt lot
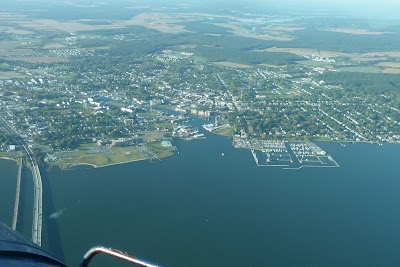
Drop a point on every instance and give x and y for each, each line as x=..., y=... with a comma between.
x=238, y=29
x=357, y=57
x=10, y=75
x=53, y=46
x=304, y=51
x=70, y=26
x=14, y=30
x=382, y=54
x=355, y=31
x=14, y=52
x=40, y=59
x=158, y=21
x=286, y=29
x=390, y=70
x=232, y=65
x=390, y=64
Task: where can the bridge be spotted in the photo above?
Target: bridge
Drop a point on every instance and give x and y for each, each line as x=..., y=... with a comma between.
x=17, y=193
x=37, y=181
x=37, y=205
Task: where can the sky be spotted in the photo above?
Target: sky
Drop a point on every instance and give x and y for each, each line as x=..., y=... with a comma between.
x=362, y=4
x=365, y=3
x=356, y=8
x=362, y=8
x=367, y=8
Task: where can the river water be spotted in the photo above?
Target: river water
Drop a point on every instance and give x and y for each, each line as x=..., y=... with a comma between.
x=8, y=182
x=200, y=208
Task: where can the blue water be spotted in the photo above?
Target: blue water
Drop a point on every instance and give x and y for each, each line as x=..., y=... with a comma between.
x=200, y=208
x=8, y=182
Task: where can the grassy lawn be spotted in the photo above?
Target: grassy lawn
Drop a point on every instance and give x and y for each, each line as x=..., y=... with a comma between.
x=167, y=125
x=11, y=74
x=368, y=69
x=98, y=160
x=87, y=146
x=288, y=91
x=323, y=139
x=199, y=59
x=226, y=131
x=170, y=107
x=152, y=135
x=160, y=151
x=112, y=156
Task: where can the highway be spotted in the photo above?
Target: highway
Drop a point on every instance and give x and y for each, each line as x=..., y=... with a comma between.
x=37, y=181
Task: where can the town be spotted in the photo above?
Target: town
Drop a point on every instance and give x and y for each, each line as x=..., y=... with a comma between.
x=81, y=98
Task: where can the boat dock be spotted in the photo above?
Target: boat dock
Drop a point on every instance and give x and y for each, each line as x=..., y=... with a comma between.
x=150, y=156
x=254, y=156
x=291, y=155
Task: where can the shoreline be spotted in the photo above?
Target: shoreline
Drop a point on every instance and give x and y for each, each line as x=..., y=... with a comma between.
x=70, y=166
x=108, y=165
x=11, y=159
x=340, y=142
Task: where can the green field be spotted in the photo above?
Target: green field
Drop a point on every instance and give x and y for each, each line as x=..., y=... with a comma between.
x=157, y=149
x=114, y=155
x=226, y=131
x=86, y=155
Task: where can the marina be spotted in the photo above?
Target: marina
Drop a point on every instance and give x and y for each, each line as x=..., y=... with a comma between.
x=290, y=155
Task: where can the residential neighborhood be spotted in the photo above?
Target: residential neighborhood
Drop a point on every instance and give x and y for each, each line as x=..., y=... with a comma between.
x=82, y=93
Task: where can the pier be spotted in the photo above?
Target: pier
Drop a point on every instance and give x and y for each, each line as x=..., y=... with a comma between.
x=148, y=154
x=254, y=156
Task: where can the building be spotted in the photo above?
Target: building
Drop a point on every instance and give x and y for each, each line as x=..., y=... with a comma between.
x=166, y=144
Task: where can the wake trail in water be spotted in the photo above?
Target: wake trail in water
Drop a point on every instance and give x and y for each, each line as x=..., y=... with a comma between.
x=56, y=214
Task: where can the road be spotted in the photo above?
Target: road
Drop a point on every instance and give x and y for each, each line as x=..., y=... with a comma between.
x=37, y=181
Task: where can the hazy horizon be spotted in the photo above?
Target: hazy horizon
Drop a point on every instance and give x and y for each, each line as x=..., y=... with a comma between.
x=388, y=9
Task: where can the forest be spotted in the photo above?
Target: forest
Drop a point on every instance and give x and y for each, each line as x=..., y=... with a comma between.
x=372, y=84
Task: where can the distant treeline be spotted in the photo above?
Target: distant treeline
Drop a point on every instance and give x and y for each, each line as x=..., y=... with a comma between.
x=228, y=47
x=164, y=39
x=96, y=22
x=381, y=88
x=236, y=49
x=132, y=29
x=245, y=57
x=203, y=27
x=372, y=82
x=342, y=42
